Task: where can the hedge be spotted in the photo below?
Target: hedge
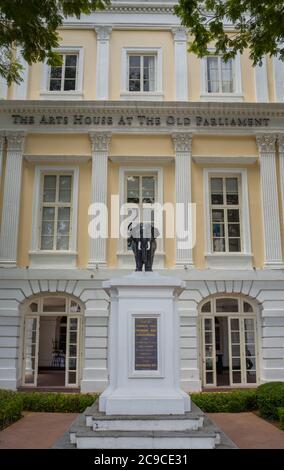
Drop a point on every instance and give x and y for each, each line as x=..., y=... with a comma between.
x=270, y=397
x=226, y=402
x=281, y=417
x=11, y=406
x=56, y=402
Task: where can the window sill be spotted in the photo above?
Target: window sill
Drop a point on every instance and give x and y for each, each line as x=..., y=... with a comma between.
x=127, y=260
x=222, y=97
x=53, y=259
x=59, y=95
x=144, y=96
x=229, y=260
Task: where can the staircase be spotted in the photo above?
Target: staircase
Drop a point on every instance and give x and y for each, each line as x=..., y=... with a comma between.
x=193, y=430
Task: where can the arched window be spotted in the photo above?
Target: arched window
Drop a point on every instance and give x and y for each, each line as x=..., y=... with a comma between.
x=52, y=338
x=228, y=338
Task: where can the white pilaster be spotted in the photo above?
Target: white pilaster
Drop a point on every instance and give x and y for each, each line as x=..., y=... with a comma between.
x=2, y=141
x=270, y=204
x=261, y=82
x=181, y=68
x=278, y=66
x=3, y=89
x=281, y=168
x=11, y=199
x=182, y=146
x=102, y=76
x=100, y=145
x=21, y=89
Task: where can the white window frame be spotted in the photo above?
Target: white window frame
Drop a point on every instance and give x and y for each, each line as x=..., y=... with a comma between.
x=45, y=93
x=236, y=95
x=54, y=258
x=228, y=260
x=144, y=95
x=125, y=257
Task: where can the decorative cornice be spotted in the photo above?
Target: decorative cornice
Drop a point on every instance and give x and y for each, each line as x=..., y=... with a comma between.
x=142, y=7
x=180, y=33
x=266, y=143
x=182, y=142
x=103, y=33
x=16, y=141
x=100, y=141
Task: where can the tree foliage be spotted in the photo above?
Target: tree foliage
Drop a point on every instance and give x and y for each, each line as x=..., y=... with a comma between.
x=32, y=25
x=258, y=26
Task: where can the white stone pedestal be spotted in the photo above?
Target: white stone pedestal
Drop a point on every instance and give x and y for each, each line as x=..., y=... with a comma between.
x=144, y=359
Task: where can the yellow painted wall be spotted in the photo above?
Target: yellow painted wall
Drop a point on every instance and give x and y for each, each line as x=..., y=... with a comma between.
x=135, y=145
x=120, y=39
x=229, y=146
x=72, y=38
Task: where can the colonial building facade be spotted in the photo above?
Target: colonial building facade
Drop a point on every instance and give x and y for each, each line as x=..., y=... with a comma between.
x=131, y=116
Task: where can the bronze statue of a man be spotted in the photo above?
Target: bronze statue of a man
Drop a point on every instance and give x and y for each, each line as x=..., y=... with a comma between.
x=142, y=239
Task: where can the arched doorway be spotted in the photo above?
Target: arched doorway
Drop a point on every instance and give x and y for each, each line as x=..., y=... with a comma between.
x=228, y=342
x=52, y=333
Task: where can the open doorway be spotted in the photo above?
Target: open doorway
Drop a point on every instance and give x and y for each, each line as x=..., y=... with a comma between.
x=51, y=349
x=229, y=345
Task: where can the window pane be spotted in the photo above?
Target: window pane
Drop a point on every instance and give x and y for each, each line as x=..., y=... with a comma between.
x=71, y=60
x=227, y=76
x=218, y=215
x=227, y=305
x=248, y=308
x=233, y=215
x=209, y=378
x=46, y=243
x=251, y=377
x=234, y=230
x=65, y=188
x=232, y=185
x=235, y=324
x=49, y=188
x=55, y=85
x=133, y=189
x=148, y=189
x=234, y=245
x=54, y=304
x=149, y=73
x=48, y=214
x=134, y=85
x=219, y=244
x=70, y=72
x=134, y=61
x=56, y=72
x=69, y=85
x=217, y=185
x=236, y=350
x=218, y=230
x=208, y=323
x=212, y=75
x=206, y=307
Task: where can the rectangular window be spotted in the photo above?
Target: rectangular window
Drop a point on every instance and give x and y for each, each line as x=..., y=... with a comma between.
x=56, y=208
x=141, y=73
x=225, y=214
x=219, y=75
x=64, y=77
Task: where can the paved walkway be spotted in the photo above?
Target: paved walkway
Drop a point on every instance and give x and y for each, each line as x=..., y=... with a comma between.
x=36, y=430
x=248, y=431
x=41, y=430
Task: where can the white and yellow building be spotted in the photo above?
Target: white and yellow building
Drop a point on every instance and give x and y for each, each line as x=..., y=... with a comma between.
x=132, y=113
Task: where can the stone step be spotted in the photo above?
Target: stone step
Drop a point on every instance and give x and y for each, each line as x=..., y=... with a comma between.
x=101, y=422
x=195, y=439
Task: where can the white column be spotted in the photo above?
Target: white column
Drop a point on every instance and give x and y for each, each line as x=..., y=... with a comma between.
x=102, y=74
x=100, y=145
x=182, y=146
x=181, y=63
x=11, y=199
x=278, y=66
x=2, y=141
x=270, y=204
x=21, y=89
x=3, y=89
x=281, y=168
x=261, y=82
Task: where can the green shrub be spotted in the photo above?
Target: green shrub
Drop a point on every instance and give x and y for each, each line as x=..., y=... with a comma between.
x=56, y=402
x=11, y=407
x=270, y=397
x=281, y=417
x=226, y=402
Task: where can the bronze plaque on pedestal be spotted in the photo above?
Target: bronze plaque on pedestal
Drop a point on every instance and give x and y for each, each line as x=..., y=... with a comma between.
x=146, y=343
